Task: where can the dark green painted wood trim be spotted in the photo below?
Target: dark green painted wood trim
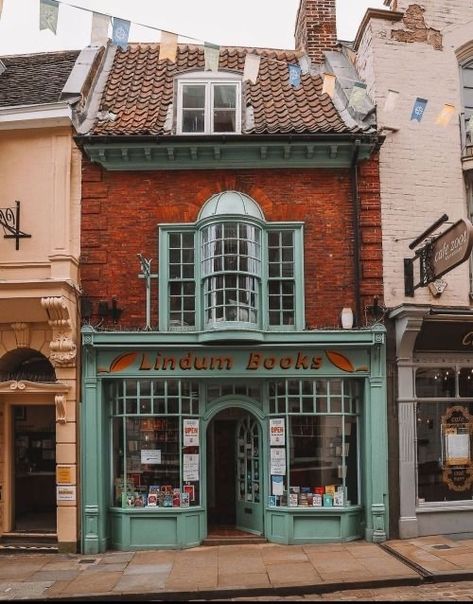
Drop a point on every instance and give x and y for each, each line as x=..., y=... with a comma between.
x=238, y=154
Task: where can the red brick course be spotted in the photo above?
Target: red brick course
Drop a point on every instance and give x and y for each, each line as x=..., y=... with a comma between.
x=121, y=211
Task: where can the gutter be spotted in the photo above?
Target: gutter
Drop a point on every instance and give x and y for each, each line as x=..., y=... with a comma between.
x=356, y=229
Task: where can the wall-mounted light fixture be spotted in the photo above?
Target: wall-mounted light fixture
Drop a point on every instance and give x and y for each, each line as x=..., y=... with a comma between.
x=375, y=312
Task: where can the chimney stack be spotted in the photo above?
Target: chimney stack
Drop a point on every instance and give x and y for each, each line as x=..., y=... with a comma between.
x=316, y=28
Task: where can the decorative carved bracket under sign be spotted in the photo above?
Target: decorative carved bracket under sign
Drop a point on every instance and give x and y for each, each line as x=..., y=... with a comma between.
x=63, y=349
x=10, y=221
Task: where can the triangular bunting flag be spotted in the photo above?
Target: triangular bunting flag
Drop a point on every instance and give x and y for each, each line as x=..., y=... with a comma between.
x=329, y=84
x=391, y=101
x=100, y=25
x=48, y=15
x=444, y=117
x=251, y=70
x=294, y=75
x=121, y=31
x=211, y=56
x=418, y=109
x=357, y=96
x=168, y=46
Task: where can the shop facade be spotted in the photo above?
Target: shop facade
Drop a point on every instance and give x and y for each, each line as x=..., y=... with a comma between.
x=435, y=373
x=281, y=439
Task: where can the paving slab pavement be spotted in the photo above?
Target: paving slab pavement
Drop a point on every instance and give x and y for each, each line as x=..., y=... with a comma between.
x=227, y=571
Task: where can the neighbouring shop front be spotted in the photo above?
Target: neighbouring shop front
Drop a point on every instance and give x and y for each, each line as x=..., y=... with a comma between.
x=435, y=402
x=286, y=440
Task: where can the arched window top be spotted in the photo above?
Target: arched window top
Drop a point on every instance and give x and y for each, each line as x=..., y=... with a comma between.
x=231, y=203
x=26, y=364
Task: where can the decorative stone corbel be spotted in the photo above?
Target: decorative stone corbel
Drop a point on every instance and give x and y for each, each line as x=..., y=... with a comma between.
x=22, y=334
x=62, y=346
x=60, y=401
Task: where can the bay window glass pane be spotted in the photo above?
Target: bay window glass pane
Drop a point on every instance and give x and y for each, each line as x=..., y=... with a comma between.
x=444, y=451
x=435, y=382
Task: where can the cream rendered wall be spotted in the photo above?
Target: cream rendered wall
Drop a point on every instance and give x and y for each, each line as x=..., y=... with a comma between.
x=420, y=163
x=42, y=169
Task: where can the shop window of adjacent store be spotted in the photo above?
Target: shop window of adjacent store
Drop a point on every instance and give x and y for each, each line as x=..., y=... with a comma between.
x=231, y=272
x=444, y=434
x=155, y=443
x=314, y=442
x=209, y=106
x=467, y=79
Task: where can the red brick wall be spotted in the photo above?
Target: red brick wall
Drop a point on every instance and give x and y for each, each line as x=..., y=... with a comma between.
x=121, y=210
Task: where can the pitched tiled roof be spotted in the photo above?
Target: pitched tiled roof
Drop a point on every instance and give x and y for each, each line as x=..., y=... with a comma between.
x=35, y=78
x=140, y=89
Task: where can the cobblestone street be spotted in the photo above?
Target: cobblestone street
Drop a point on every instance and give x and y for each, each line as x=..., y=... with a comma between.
x=459, y=591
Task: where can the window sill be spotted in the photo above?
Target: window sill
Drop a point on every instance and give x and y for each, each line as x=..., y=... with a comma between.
x=315, y=509
x=444, y=506
x=225, y=334
x=153, y=509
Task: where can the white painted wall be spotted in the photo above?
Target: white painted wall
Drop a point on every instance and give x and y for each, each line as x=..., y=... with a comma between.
x=420, y=164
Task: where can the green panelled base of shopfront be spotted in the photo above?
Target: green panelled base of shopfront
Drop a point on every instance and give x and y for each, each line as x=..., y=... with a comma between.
x=156, y=529
x=291, y=525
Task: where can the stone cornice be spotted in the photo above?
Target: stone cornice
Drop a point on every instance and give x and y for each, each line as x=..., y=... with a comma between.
x=27, y=387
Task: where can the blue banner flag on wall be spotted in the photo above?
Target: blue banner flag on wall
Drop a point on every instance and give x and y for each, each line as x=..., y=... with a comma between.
x=294, y=75
x=418, y=109
x=121, y=31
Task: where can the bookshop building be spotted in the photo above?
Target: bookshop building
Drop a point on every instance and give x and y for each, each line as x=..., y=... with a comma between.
x=274, y=432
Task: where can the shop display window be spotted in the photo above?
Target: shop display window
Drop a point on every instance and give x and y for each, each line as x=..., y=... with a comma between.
x=435, y=382
x=444, y=451
x=156, y=460
x=314, y=456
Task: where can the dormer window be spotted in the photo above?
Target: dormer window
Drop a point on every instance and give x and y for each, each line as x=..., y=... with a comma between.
x=209, y=106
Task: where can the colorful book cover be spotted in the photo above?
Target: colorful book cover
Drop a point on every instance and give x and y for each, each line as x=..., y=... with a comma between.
x=328, y=500
x=189, y=488
x=152, y=499
x=154, y=489
x=185, y=500
x=330, y=489
x=272, y=500
x=319, y=490
x=293, y=499
x=317, y=500
x=176, y=499
x=167, y=501
x=338, y=499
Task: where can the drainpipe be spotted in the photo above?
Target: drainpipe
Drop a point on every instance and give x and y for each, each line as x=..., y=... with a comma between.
x=356, y=229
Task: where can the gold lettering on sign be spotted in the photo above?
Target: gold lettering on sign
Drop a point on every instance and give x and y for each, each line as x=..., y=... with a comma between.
x=468, y=339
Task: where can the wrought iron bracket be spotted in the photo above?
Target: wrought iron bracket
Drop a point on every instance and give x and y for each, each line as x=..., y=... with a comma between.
x=10, y=221
x=426, y=271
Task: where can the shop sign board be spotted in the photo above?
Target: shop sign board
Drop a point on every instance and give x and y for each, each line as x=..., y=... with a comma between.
x=64, y=475
x=66, y=493
x=451, y=248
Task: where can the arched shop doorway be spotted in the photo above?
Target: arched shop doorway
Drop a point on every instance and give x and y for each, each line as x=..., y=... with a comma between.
x=234, y=473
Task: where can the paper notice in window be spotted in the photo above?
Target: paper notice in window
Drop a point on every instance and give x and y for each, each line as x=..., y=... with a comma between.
x=277, y=485
x=150, y=456
x=278, y=461
x=190, y=470
x=457, y=449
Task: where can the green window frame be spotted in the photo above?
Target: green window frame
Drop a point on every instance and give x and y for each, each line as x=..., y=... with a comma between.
x=149, y=415
x=260, y=286
x=322, y=442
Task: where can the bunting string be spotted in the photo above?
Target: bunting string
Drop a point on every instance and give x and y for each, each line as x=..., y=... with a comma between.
x=49, y=10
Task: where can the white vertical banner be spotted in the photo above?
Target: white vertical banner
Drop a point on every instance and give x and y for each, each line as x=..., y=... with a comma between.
x=190, y=435
x=251, y=70
x=99, y=34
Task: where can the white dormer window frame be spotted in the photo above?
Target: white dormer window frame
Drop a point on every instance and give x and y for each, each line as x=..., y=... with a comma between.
x=207, y=100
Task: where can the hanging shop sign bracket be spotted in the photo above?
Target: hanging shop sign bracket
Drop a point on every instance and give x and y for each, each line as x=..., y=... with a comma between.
x=10, y=221
x=439, y=255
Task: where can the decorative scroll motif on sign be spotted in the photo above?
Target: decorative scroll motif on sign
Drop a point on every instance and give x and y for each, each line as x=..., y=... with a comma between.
x=63, y=349
x=457, y=431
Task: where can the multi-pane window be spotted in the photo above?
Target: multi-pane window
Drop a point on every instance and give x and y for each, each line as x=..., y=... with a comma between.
x=281, y=284
x=467, y=77
x=321, y=446
x=234, y=271
x=209, y=107
x=149, y=426
x=231, y=267
x=181, y=280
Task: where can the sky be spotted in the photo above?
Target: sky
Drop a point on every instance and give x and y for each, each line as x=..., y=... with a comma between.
x=264, y=23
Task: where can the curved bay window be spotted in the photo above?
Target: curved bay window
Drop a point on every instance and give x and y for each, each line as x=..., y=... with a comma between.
x=444, y=430
x=155, y=436
x=320, y=465
x=231, y=270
